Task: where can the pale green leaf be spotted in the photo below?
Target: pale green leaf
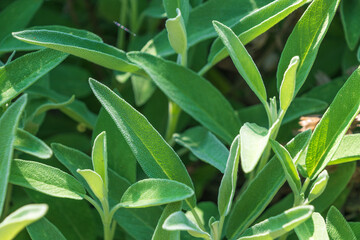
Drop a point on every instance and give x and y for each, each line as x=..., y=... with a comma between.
x=287, y=88
x=312, y=229
x=95, y=182
x=28, y=143
x=99, y=157
x=154, y=192
x=160, y=233
x=19, y=219
x=337, y=226
x=333, y=126
x=43, y=229
x=318, y=186
x=348, y=150
x=177, y=33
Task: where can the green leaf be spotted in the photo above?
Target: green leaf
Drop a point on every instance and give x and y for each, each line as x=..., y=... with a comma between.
x=8, y=126
x=17, y=15
x=313, y=228
x=242, y=60
x=254, y=24
x=337, y=227
x=99, y=157
x=43, y=229
x=252, y=202
x=318, y=186
x=160, y=233
x=253, y=141
x=21, y=73
x=306, y=38
x=177, y=33
x=28, y=143
x=156, y=157
x=229, y=180
x=355, y=226
x=333, y=126
x=143, y=88
x=154, y=192
x=288, y=165
x=179, y=222
x=348, y=150
x=276, y=226
x=19, y=219
x=350, y=19
x=88, y=49
x=171, y=6
x=95, y=183
x=192, y=93
x=204, y=145
x=46, y=179
x=287, y=88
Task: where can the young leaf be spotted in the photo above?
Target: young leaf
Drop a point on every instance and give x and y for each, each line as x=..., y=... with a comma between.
x=306, y=38
x=318, y=186
x=252, y=202
x=177, y=33
x=313, y=228
x=99, y=157
x=204, y=145
x=179, y=222
x=276, y=226
x=228, y=182
x=288, y=165
x=19, y=219
x=154, y=192
x=171, y=7
x=287, y=88
x=333, y=126
x=21, y=73
x=155, y=156
x=242, y=60
x=43, y=229
x=46, y=179
x=28, y=143
x=348, y=150
x=349, y=10
x=88, y=49
x=192, y=93
x=160, y=233
x=95, y=182
x=337, y=226
x=8, y=125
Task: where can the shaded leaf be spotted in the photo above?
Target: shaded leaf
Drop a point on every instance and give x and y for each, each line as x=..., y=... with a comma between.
x=28, y=143
x=337, y=226
x=43, y=229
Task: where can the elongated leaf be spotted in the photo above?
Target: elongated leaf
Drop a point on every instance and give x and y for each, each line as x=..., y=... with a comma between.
x=204, y=145
x=17, y=15
x=8, y=125
x=333, y=126
x=228, y=182
x=337, y=226
x=319, y=185
x=252, y=202
x=45, y=179
x=313, y=228
x=178, y=221
x=19, y=219
x=254, y=24
x=93, y=51
x=21, y=73
x=276, y=226
x=177, y=33
x=192, y=93
x=154, y=192
x=43, y=229
x=350, y=19
x=348, y=150
x=355, y=226
x=287, y=87
x=306, y=38
x=99, y=157
x=155, y=156
x=242, y=60
x=161, y=233
x=28, y=143
x=95, y=183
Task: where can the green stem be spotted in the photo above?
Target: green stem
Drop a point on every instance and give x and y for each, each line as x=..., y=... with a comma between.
x=197, y=218
x=96, y=205
x=107, y=221
x=305, y=185
x=204, y=69
x=221, y=224
x=122, y=20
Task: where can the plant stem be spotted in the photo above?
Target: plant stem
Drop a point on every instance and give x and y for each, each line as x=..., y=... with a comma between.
x=197, y=218
x=122, y=20
x=221, y=224
x=107, y=221
x=305, y=185
x=204, y=69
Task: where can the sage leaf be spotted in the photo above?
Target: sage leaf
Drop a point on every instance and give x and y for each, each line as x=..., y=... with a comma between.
x=318, y=186
x=155, y=156
x=43, y=229
x=350, y=20
x=333, y=126
x=192, y=93
x=348, y=150
x=287, y=88
x=8, y=125
x=204, y=145
x=305, y=43
x=154, y=192
x=19, y=219
x=99, y=157
x=161, y=233
x=276, y=226
x=242, y=60
x=337, y=226
x=46, y=179
x=95, y=182
x=177, y=33
x=313, y=228
x=28, y=143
